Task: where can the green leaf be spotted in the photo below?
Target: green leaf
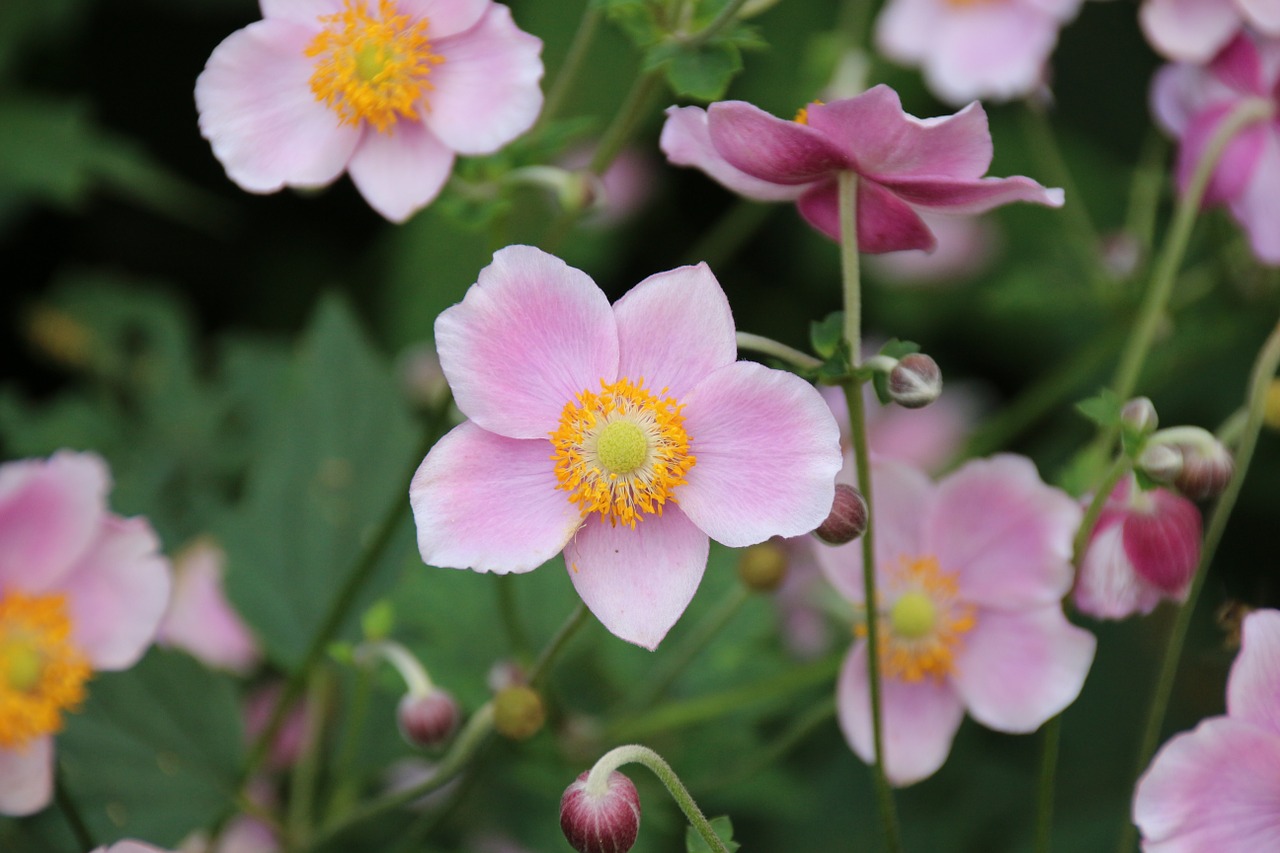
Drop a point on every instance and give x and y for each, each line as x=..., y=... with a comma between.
x=701, y=72
x=1103, y=409
x=723, y=828
x=635, y=17
x=895, y=348
x=827, y=334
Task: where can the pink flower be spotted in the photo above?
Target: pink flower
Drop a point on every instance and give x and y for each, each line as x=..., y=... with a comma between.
x=908, y=166
x=1216, y=788
x=970, y=572
x=289, y=742
x=1144, y=548
x=1195, y=30
x=993, y=49
x=81, y=590
x=965, y=249
x=1191, y=101
x=622, y=435
x=128, y=846
x=200, y=620
x=386, y=90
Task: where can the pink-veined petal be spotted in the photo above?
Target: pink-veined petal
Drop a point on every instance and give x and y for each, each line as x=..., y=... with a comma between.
x=1257, y=208
x=975, y=196
x=300, y=11
x=401, y=171
x=768, y=451
x=770, y=148
x=531, y=335
x=26, y=777
x=445, y=17
x=1241, y=67
x=1255, y=676
x=885, y=222
x=638, y=581
x=489, y=503
x=1188, y=30
x=1107, y=587
x=675, y=328
x=1163, y=542
x=1239, y=159
x=687, y=142
x=993, y=51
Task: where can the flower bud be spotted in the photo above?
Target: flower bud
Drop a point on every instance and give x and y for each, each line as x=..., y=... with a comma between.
x=518, y=712
x=607, y=821
x=1160, y=462
x=1139, y=414
x=427, y=719
x=848, y=518
x=1206, y=470
x=915, y=381
x=762, y=567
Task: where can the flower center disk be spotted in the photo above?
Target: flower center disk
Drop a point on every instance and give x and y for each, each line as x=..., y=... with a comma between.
x=372, y=67
x=925, y=623
x=42, y=673
x=621, y=452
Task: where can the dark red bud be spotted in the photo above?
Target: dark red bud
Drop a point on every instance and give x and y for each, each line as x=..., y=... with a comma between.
x=848, y=518
x=1205, y=471
x=604, y=822
x=428, y=719
x=915, y=381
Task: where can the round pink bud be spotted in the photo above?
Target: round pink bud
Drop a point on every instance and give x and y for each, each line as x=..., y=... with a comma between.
x=427, y=719
x=848, y=518
x=1206, y=470
x=915, y=381
x=1139, y=414
x=603, y=822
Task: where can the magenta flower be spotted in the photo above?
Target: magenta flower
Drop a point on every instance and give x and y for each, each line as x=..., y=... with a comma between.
x=386, y=90
x=624, y=436
x=1191, y=101
x=1144, y=549
x=1216, y=788
x=907, y=166
x=971, y=572
x=200, y=620
x=80, y=590
x=1195, y=30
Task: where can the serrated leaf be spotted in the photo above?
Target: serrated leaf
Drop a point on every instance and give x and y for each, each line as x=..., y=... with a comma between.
x=1103, y=409
x=827, y=334
x=895, y=348
x=723, y=828
x=702, y=72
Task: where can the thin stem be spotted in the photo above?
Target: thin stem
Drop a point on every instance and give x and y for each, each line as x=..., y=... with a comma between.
x=416, y=679
x=678, y=661
x=517, y=638
x=542, y=667
x=306, y=771
x=1048, y=770
x=850, y=274
x=1144, y=191
x=344, y=793
x=780, y=351
x=726, y=17
x=1098, y=503
x=67, y=805
x=568, y=71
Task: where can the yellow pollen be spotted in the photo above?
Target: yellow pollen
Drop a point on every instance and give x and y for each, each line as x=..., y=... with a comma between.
x=913, y=615
x=621, y=452
x=42, y=673
x=372, y=67
x=802, y=114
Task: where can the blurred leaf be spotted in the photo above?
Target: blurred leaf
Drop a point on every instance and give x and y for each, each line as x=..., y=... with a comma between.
x=635, y=17
x=702, y=71
x=827, y=334
x=723, y=828
x=1103, y=409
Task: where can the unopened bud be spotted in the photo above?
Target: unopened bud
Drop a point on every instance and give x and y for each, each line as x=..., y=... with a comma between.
x=1161, y=462
x=915, y=381
x=427, y=719
x=605, y=821
x=1206, y=470
x=518, y=712
x=763, y=567
x=848, y=518
x=1139, y=414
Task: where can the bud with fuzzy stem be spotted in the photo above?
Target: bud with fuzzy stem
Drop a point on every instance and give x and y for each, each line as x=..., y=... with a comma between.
x=762, y=567
x=427, y=719
x=518, y=712
x=1139, y=414
x=915, y=381
x=601, y=815
x=848, y=518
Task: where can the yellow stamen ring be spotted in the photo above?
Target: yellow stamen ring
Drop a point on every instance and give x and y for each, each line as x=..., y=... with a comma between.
x=42, y=673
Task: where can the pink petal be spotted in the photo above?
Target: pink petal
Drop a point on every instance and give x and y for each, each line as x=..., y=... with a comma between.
x=489, y=503
x=1240, y=67
x=638, y=581
x=1107, y=587
x=767, y=450
x=530, y=336
x=26, y=777
x=1188, y=30
x=401, y=171
x=200, y=620
x=1016, y=670
x=1163, y=543
x=885, y=222
x=907, y=29
x=1239, y=160
x=117, y=594
x=50, y=512
x=300, y=11
x=259, y=114
x=1258, y=207
x=1178, y=92
x=885, y=141
x=137, y=847
x=920, y=719
x=770, y=148
x=674, y=328
x=687, y=142
x=1262, y=15
x=1255, y=676
x=445, y=17
x=1212, y=789
x=976, y=196
x=992, y=51
x=486, y=90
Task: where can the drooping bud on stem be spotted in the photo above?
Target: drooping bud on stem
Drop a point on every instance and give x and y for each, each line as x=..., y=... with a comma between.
x=601, y=818
x=915, y=381
x=1191, y=458
x=848, y=518
x=427, y=719
x=763, y=567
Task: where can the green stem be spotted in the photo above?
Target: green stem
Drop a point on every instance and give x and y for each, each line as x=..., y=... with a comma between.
x=1144, y=191
x=670, y=667
x=780, y=351
x=726, y=17
x=306, y=771
x=1048, y=770
x=71, y=812
x=517, y=639
x=1263, y=372
x=1096, y=505
x=542, y=667
x=346, y=786
x=568, y=71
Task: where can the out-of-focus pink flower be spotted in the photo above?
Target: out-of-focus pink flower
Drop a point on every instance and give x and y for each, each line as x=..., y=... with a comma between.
x=965, y=249
x=290, y=740
x=81, y=590
x=421, y=378
x=388, y=91
x=1144, y=548
x=1191, y=102
x=128, y=846
x=200, y=620
x=627, y=184
x=659, y=438
x=243, y=834
x=907, y=166
x=1216, y=787
x=1195, y=30
x=971, y=572
x=990, y=49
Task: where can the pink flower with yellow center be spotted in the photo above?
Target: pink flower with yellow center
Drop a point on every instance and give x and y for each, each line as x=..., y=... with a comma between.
x=80, y=590
x=625, y=436
x=387, y=90
x=970, y=573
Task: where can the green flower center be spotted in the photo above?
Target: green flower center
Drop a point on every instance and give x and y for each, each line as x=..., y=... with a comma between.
x=622, y=447
x=913, y=616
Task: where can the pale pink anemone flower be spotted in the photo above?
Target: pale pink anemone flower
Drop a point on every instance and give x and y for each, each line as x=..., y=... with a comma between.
x=622, y=435
x=907, y=166
x=81, y=590
x=1191, y=102
x=387, y=90
x=1144, y=549
x=1195, y=30
x=200, y=620
x=970, y=572
x=1216, y=788
x=967, y=49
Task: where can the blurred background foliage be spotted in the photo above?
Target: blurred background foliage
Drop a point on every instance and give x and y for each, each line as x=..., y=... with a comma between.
x=233, y=357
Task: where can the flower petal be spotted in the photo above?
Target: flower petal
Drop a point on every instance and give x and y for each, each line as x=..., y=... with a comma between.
x=687, y=142
x=259, y=114
x=675, y=328
x=976, y=196
x=885, y=222
x=200, y=620
x=489, y=503
x=993, y=51
x=26, y=777
x=1188, y=30
x=1258, y=207
x=1107, y=587
x=402, y=171
x=906, y=29
x=300, y=11
x=769, y=148
x=1263, y=15
x=1016, y=670
x=768, y=451
x=1163, y=543
x=920, y=719
x=1239, y=160
x=1255, y=676
x=530, y=336
x=638, y=581
x=446, y=17
x=1005, y=533
x=486, y=90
